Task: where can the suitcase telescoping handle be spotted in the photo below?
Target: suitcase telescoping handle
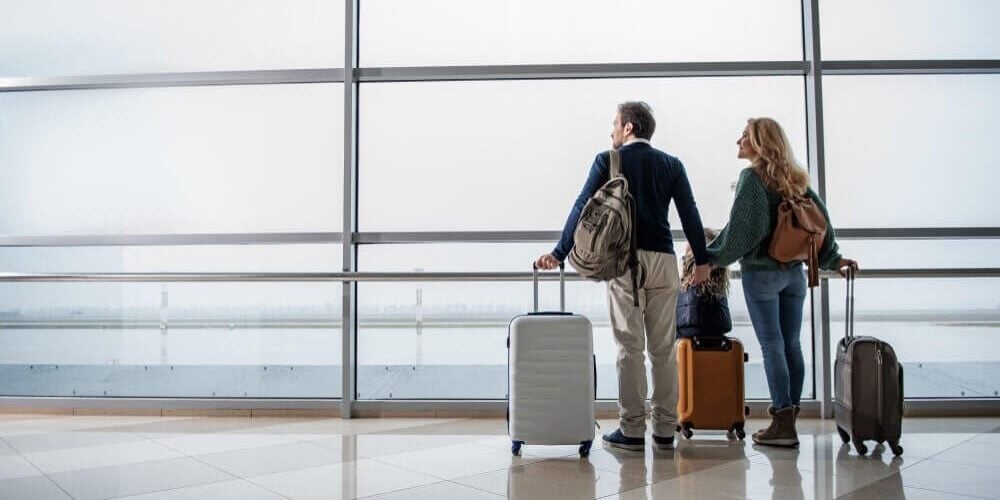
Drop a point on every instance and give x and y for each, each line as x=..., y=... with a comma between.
x=849, y=313
x=562, y=285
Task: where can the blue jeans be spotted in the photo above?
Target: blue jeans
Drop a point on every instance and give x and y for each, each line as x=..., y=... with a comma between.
x=775, y=300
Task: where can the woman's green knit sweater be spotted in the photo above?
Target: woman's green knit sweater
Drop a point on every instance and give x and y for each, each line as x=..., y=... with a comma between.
x=747, y=236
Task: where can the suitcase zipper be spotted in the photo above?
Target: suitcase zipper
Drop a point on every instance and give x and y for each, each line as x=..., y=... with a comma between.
x=881, y=403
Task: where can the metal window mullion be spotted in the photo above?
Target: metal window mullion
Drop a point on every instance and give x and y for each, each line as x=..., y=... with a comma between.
x=822, y=376
x=348, y=325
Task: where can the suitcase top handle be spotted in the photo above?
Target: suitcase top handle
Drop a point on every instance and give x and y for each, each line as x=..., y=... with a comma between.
x=562, y=285
x=849, y=313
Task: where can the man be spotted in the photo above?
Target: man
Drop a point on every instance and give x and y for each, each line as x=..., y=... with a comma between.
x=654, y=178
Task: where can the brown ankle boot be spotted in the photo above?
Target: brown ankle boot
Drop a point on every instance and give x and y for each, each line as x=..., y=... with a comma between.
x=781, y=432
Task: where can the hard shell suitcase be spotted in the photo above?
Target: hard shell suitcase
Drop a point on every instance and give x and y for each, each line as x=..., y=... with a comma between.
x=868, y=387
x=551, y=377
x=710, y=385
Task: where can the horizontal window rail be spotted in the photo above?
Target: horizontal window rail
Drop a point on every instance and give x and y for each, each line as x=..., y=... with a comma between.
x=396, y=237
x=422, y=276
x=496, y=72
x=915, y=67
x=186, y=79
x=170, y=239
x=566, y=71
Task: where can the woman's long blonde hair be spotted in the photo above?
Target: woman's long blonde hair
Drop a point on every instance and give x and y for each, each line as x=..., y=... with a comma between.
x=774, y=158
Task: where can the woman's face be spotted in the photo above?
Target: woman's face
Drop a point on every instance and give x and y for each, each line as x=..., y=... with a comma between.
x=746, y=151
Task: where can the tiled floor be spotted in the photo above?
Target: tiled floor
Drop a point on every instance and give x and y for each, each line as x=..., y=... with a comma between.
x=166, y=458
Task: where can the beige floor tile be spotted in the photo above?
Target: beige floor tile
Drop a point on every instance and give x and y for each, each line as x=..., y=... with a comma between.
x=445, y=490
x=971, y=452
x=389, y=443
x=272, y=459
x=204, y=443
x=345, y=480
x=456, y=461
x=52, y=441
x=14, y=466
x=134, y=479
x=73, y=423
x=891, y=488
x=226, y=490
x=31, y=488
x=570, y=478
x=5, y=449
x=989, y=438
x=91, y=457
x=948, y=477
x=965, y=425
x=655, y=465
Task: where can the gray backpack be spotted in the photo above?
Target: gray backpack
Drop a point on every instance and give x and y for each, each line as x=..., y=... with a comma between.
x=604, y=242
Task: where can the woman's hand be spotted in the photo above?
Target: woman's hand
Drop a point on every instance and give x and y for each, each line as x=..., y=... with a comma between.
x=546, y=262
x=846, y=263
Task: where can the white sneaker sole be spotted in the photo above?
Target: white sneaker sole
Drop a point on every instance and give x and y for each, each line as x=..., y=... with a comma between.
x=622, y=446
x=788, y=443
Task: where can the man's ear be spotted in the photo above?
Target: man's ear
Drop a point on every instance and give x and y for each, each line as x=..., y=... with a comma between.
x=627, y=129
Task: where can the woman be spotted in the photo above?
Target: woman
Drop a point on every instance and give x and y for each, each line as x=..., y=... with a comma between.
x=775, y=296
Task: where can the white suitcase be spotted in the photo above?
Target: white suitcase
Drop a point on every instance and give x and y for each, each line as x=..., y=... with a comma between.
x=551, y=377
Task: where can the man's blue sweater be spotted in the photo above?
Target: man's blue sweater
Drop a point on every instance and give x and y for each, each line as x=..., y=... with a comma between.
x=654, y=178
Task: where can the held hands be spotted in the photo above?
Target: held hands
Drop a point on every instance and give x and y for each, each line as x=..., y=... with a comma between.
x=846, y=263
x=701, y=274
x=546, y=262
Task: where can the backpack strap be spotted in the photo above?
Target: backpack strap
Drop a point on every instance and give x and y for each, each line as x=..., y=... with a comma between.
x=633, y=251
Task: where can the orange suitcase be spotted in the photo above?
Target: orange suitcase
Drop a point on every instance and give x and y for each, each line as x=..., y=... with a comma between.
x=710, y=385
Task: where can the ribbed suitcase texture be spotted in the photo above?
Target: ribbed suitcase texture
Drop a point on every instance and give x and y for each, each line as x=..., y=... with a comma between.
x=551, y=380
x=868, y=387
x=710, y=385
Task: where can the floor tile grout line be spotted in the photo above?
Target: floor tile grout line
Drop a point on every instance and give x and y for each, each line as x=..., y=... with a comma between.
x=53, y=481
x=196, y=459
x=453, y=481
x=948, y=492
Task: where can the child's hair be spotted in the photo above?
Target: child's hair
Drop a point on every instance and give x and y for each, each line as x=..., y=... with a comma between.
x=717, y=284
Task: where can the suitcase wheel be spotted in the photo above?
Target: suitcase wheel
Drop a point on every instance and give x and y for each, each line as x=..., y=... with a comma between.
x=860, y=447
x=686, y=430
x=585, y=448
x=843, y=435
x=515, y=448
x=739, y=432
x=896, y=448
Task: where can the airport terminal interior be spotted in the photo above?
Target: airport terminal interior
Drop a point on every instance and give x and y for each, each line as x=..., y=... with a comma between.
x=263, y=249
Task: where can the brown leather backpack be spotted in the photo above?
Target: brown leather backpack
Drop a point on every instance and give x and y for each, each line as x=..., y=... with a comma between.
x=799, y=234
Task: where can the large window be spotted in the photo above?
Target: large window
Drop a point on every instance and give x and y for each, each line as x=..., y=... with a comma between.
x=944, y=331
x=909, y=29
x=514, y=155
x=908, y=150
x=99, y=37
x=171, y=339
x=471, y=32
x=171, y=160
x=200, y=138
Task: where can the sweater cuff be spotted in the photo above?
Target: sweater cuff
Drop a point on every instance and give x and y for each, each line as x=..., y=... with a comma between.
x=831, y=263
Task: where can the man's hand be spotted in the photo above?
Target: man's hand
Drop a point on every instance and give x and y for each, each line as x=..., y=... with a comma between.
x=547, y=262
x=701, y=274
x=846, y=263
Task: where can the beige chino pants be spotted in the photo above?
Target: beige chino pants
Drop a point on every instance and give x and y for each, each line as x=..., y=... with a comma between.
x=651, y=327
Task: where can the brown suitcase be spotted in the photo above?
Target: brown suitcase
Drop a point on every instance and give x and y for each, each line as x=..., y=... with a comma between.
x=710, y=385
x=868, y=387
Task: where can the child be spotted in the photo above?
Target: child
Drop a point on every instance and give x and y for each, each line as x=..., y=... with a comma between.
x=703, y=310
